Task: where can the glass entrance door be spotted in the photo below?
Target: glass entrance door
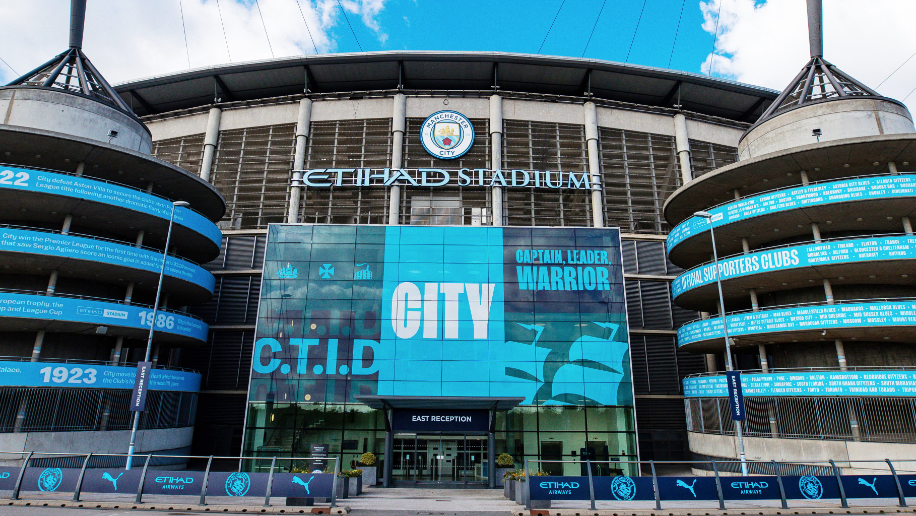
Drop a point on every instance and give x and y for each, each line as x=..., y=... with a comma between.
x=439, y=459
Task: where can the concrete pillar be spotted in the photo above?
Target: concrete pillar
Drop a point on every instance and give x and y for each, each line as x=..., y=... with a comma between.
x=804, y=178
x=210, y=139
x=892, y=168
x=36, y=347
x=755, y=304
x=711, y=363
x=745, y=246
x=398, y=126
x=65, y=228
x=140, y=235
x=154, y=359
x=303, y=122
x=129, y=292
x=764, y=363
x=80, y=168
x=594, y=163
x=828, y=291
x=907, y=226
x=496, y=155
x=116, y=352
x=736, y=193
x=682, y=144
x=840, y=354
x=816, y=231
x=52, y=283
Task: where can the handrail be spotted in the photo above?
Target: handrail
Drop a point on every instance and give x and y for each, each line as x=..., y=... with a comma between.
x=92, y=298
x=107, y=181
x=835, y=180
x=795, y=244
x=94, y=237
x=92, y=362
x=765, y=309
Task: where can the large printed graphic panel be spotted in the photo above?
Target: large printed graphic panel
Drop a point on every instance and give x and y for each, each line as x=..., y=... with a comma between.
x=51, y=374
x=536, y=313
x=826, y=383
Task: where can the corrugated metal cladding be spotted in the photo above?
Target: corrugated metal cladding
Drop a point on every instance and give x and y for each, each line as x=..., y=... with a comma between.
x=251, y=169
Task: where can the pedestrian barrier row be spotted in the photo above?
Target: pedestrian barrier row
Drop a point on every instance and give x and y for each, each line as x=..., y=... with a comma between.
x=541, y=488
x=146, y=481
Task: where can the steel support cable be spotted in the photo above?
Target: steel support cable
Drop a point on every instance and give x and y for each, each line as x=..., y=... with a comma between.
x=221, y=24
x=307, y=24
x=551, y=26
x=185, y=30
x=638, y=21
x=908, y=95
x=344, y=11
x=261, y=14
x=594, y=27
x=676, y=32
x=896, y=70
x=715, y=39
x=8, y=66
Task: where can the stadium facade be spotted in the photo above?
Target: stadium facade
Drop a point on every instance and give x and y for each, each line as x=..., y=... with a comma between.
x=421, y=164
x=814, y=236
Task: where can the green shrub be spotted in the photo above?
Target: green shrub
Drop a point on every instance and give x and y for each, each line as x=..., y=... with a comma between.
x=505, y=460
x=367, y=459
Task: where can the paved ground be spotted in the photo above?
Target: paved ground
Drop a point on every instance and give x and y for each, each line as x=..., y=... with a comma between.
x=414, y=501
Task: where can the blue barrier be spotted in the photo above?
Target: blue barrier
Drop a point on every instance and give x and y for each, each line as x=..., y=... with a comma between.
x=91, y=376
x=104, y=313
x=90, y=249
x=819, y=194
x=802, y=318
x=66, y=185
x=817, y=383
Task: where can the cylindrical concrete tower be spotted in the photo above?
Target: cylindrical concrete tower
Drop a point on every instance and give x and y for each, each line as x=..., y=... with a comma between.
x=85, y=210
x=818, y=264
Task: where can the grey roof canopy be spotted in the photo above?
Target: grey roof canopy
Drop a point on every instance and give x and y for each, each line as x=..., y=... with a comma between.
x=438, y=402
x=446, y=71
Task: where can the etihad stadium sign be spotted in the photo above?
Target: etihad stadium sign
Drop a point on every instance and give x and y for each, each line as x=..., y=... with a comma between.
x=437, y=177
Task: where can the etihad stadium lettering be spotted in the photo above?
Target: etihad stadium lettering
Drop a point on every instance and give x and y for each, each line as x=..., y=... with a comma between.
x=435, y=177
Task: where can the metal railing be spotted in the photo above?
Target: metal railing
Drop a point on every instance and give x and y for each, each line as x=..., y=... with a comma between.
x=92, y=362
x=93, y=298
x=86, y=462
x=765, y=310
x=788, y=370
x=771, y=479
x=831, y=418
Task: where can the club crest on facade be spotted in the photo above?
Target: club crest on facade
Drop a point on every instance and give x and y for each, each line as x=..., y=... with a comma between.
x=447, y=134
x=50, y=479
x=237, y=484
x=623, y=488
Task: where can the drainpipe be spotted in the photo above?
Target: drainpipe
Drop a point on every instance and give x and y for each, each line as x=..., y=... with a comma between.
x=398, y=126
x=496, y=156
x=210, y=139
x=594, y=164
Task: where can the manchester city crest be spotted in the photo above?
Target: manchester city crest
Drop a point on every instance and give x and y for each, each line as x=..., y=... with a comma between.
x=810, y=487
x=50, y=479
x=447, y=134
x=623, y=488
x=237, y=484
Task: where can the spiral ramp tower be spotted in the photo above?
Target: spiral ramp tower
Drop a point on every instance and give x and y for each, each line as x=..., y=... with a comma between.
x=814, y=234
x=84, y=215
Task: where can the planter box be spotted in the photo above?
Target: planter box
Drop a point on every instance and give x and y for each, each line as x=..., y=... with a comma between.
x=521, y=497
x=355, y=486
x=519, y=492
x=343, y=487
x=509, y=489
x=370, y=475
x=499, y=476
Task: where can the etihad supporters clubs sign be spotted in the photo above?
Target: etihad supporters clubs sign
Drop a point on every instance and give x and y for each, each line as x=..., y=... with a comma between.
x=536, y=313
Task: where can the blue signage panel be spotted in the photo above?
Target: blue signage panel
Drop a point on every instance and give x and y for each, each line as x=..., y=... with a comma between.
x=908, y=484
x=624, y=488
x=825, y=253
x=750, y=488
x=869, y=486
x=107, y=193
x=688, y=488
x=559, y=488
x=735, y=396
x=112, y=481
x=237, y=484
x=49, y=374
x=880, y=187
x=103, y=313
x=802, y=318
x=832, y=383
x=66, y=246
x=50, y=480
x=173, y=482
x=302, y=485
x=8, y=478
x=535, y=313
x=141, y=386
x=811, y=487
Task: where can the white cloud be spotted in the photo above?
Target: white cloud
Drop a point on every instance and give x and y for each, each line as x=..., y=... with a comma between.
x=128, y=40
x=766, y=43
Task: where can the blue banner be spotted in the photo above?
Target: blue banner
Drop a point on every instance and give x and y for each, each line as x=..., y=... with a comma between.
x=812, y=255
x=535, y=313
x=67, y=185
x=688, y=488
x=802, y=318
x=827, y=383
x=558, y=488
x=50, y=480
x=303, y=485
x=810, y=487
x=623, y=488
x=79, y=248
x=237, y=484
x=869, y=486
x=908, y=484
x=54, y=374
x=173, y=483
x=879, y=187
x=112, y=481
x=58, y=308
x=141, y=386
x=750, y=488
x=735, y=396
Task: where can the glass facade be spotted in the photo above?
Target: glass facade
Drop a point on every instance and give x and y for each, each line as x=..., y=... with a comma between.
x=537, y=314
